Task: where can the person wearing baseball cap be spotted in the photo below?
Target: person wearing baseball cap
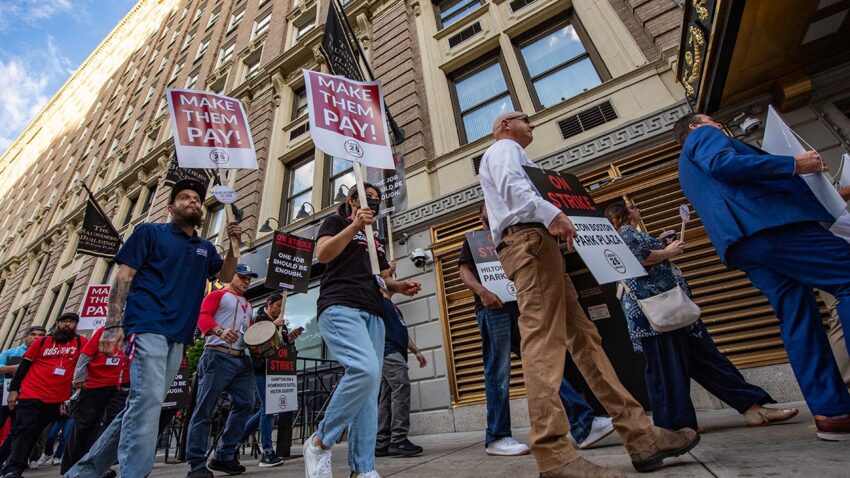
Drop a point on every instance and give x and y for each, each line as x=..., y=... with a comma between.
x=224, y=367
x=41, y=384
x=155, y=300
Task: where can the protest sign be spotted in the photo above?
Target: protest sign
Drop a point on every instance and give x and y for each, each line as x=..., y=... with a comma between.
x=7, y=379
x=281, y=381
x=210, y=130
x=490, y=271
x=781, y=140
x=95, y=307
x=289, y=263
x=607, y=257
x=178, y=392
x=392, y=186
x=224, y=194
x=347, y=119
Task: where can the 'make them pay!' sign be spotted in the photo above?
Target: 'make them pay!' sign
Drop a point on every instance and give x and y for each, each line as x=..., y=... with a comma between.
x=210, y=130
x=347, y=119
x=597, y=242
x=95, y=307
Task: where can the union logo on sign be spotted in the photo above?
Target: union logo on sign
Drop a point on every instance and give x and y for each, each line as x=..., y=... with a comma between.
x=282, y=401
x=353, y=148
x=614, y=261
x=511, y=289
x=219, y=156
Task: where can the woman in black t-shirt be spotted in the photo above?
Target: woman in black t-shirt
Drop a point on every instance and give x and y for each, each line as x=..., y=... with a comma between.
x=350, y=307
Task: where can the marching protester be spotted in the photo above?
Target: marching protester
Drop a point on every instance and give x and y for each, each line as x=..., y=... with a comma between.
x=7, y=369
x=161, y=279
x=498, y=323
x=525, y=228
x=103, y=383
x=349, y=317
x=57, y=436
x=261, y=419
x=674, y=357
x=394, y=397
x=763, y=219
x=224, y=366
x=41, y=384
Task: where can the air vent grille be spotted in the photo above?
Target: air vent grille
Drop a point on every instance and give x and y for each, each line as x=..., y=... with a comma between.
x=464, y=34
x=586, y=119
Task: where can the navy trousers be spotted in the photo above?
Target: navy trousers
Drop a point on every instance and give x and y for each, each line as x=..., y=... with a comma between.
x=786, y=263
x=673, y=359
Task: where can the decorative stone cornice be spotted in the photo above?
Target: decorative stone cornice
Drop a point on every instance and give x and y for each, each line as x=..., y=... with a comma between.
x=318, y=57
x=648, y=127
x=416, y=5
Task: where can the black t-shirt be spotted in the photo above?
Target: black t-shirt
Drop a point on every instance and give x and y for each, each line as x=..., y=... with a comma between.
x=396, y=330
x=260, y=364
x=466, y=258
x=348, y=279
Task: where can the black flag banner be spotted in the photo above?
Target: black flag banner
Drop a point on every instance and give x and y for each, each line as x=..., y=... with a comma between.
x=98, y=237
x=175, y=173
x=337, y=48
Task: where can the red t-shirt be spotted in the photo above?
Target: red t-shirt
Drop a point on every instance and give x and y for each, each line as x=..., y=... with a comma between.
x=103, y=371
x=52, y=372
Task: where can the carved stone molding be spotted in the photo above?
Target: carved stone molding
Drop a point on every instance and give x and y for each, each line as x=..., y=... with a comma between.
x=648, y=127
x=416, y=5
x=317, y=56
x=143, y=176
x=70, y=228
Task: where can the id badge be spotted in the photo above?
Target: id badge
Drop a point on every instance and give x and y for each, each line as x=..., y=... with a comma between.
x=59, y=371
x=113, y=361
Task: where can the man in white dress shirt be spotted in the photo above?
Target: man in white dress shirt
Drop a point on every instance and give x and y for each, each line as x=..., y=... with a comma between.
x=525, y=228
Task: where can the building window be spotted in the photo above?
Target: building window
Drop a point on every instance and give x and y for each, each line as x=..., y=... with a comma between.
x=192, y=81
x=301, y=311
x=113, y=147
x=162, y=64
x=261, y=26
x=173, y=38
x=299, y=106
x=226, y=54
x=300, y=188
x=176, y=71
x=128, y=114
x=188, y=40
x=304, y=25
x=198, y=14
x=129, y=214
x=558, y=65
x=213, y=17
x=149, y=95
x=215, y=224
x=480, y=96
x=202, y=48
x=135, y=129
x=146, y=206
x=451, y=11
x=153, y=57
x=251, y=67
x=107, y=274
x=235, y=19
x=341, y=179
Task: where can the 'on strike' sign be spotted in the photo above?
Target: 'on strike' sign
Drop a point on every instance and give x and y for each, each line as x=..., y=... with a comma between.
x=347, y=119
x=210, y=130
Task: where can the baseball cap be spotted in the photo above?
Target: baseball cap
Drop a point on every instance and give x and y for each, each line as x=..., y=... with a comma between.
x=68, y=315
x=35, y=328
x=187, y=184
x=245, y=270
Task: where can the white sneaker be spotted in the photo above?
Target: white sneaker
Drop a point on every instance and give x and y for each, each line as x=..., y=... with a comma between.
x=57, y=460
x=34, y=464
x=601, y=428
x=369, y=474
x=45, y=459
x=317, y=461
x=507, y=447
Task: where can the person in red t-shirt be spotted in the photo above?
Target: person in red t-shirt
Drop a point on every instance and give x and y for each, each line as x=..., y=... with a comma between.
x=40, y=386
x=104, y=384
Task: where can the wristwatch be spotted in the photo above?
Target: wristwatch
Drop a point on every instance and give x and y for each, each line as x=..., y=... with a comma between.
x=218, y=332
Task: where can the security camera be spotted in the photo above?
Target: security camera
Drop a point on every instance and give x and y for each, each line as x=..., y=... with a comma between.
x=404, y=237
x=749, y=125
x=421, y=257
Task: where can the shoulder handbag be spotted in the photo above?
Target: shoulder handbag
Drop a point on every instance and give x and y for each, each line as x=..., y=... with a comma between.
x=667, y=311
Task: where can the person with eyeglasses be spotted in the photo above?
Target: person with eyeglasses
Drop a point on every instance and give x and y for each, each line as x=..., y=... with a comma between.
x=41, y=385
x=9, y=361
x=764, y=220
x=526, y=228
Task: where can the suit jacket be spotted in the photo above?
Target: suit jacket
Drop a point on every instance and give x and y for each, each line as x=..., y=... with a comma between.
x=739, y=190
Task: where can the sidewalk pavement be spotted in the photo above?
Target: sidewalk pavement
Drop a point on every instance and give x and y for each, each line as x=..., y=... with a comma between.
x=728, y=449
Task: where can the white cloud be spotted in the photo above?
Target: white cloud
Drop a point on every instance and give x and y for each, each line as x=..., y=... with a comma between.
x=26, y=84
x=17, y=13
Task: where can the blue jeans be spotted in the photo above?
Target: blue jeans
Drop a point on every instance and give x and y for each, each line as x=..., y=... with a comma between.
x=356, y=339
x=265, y=421
x=131, y=437
x=65, y=425
x=219, y=372
x=500, y=336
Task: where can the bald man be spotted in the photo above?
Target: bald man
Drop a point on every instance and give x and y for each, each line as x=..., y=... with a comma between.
x=526, y=228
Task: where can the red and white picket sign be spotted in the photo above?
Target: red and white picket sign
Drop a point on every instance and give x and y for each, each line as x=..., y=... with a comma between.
x=95, y=307
x=210, y=131
x=348, y=120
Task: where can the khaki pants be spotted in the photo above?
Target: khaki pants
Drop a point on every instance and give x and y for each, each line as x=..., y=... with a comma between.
x=836, y=338
x=551, y=324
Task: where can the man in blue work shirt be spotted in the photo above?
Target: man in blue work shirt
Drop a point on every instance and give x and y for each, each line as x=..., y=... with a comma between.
x=161, y=281
x=9, y=361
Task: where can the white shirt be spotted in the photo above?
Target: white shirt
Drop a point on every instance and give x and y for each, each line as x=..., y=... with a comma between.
x=510, y=196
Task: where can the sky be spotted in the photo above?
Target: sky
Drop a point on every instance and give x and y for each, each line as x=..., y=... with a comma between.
x=42, y=42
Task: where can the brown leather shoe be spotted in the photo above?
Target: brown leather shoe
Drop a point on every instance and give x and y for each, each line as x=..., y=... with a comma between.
x=581, y=468
x=833, y=429
x=669, y=444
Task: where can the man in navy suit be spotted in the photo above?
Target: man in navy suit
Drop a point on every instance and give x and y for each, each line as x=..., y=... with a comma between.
x=764, y=220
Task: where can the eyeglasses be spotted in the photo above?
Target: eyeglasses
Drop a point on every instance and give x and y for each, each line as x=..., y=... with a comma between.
x=523, y=118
